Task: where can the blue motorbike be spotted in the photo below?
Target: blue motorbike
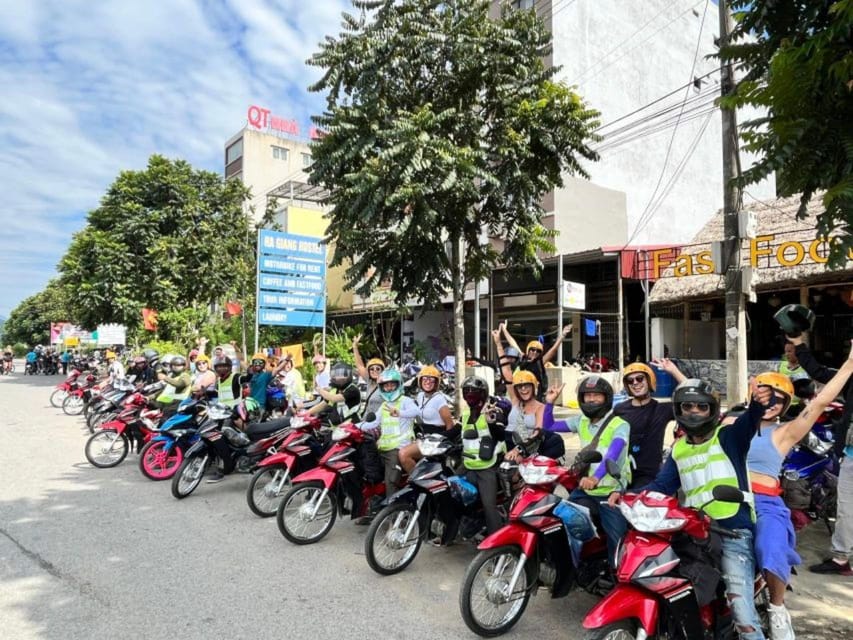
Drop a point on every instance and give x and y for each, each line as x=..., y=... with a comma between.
x=161, y=456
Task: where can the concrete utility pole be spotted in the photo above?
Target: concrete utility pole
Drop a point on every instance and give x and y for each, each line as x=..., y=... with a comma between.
x=736, y=387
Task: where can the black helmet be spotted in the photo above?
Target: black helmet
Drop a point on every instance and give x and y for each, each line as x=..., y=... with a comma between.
x=475, y=392
x=340, y=375
x=695, y=390
x=151, y=354
x=794, y=319
x=595, y=384
x=220, y=361
x=178, y=362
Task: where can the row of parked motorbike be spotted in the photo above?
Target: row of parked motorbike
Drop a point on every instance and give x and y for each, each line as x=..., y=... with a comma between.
x=306, y=473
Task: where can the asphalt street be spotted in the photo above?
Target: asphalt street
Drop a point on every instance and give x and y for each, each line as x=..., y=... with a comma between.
x=90, y=553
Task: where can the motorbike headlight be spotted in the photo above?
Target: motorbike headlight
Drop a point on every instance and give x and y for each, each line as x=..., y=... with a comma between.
x=816, y=445
x=296, y=422
x=650, y=519
x=534, y=474
x=339, y=434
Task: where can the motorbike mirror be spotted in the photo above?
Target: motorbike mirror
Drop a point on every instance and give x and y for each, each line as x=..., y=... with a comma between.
x=726, y=493
x=613, y=468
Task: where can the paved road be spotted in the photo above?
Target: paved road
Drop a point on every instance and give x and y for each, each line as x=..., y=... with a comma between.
x=88, y=553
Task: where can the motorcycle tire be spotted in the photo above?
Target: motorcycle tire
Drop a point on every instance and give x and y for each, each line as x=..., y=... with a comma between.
x=188, y=476
x=262, y=495
x=99, y=419
x=386, y=551
x=57, y=397
x=114, y=448
x=72, y=405
x=482, y=569
x=156, y=463
x=292, y=515
x=622, y=630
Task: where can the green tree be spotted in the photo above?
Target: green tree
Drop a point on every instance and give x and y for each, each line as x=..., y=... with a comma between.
x=170, y=238
x=29, y=322
x=798, y=61
x=441, y=124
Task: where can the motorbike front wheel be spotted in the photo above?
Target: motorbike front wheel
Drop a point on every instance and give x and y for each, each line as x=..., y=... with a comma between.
x=266, y=489
x=488, y=608
x=188, y=476
x=622, y=630
x=387, y=547
x=72, y=405
x=106, y=448
x=57, y=397
x=156, y=462
x=305, y=514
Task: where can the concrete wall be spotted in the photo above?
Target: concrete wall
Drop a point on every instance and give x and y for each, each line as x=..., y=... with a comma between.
x=618, y=66
x=588, y=216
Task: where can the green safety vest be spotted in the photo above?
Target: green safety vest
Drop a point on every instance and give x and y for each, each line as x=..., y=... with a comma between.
x=226, y=393
x=786, y=370
x=394, y=433
x=472, y=446
x=703, y=467
x=608, y=483
x=170, y=394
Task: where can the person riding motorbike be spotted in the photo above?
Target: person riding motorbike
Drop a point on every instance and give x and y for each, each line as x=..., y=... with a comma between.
x=648, y=418
x=526, y=418
x=482, y=446
x=710, y=455
x=258, y=377
x=115, y=370
x=227, y=384
x=204, y=377
x=434, y=413
x=370, y=373
x=342, y=400
x=177, y=387
x=775, y=539
x=395, y=421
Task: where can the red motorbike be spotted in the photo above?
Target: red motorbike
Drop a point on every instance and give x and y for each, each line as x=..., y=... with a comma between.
x=74, y=400
x=134, y=426
x=533, y=549
x=340, y=482
x=294, y=456
x=652, y=597
x=62, y=389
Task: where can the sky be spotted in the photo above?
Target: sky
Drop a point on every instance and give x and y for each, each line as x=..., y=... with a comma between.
x=93, y=88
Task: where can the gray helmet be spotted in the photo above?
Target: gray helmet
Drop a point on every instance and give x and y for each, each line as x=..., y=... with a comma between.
x=595, y=384
x=696, y=390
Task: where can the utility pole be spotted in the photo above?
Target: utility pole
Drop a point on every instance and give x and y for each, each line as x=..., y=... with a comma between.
x=736, y=388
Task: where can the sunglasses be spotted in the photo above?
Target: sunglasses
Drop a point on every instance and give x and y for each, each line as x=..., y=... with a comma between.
x=532, y=350
x=691, y=406
x=635, y=379
x=374, y=368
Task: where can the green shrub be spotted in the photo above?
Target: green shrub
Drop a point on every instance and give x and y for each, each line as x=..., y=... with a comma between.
x=20, y=349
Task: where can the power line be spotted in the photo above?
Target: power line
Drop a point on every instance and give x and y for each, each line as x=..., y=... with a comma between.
x=695, y=115
x=703, y=99
x=647, y=214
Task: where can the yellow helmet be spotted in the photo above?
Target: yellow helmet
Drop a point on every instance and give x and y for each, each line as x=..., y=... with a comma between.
x=375, y=362
x=780, y=383
x=109, y=354
x=639, y=367
x=525, y=377
x=202, y=358
x=534, y=344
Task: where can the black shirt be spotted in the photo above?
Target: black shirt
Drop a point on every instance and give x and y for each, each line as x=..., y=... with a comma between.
x=352, y=399
x=648, y=428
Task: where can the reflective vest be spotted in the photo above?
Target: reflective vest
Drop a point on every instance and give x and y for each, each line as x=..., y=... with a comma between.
x=702, y=467
x=396, y=432
x=344, y=411
x=608, y=483
x=169, y=394
x=785, y=369
x=226, y=393
x=471, y=446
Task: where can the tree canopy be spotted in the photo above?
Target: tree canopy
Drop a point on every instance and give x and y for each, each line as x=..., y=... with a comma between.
x=169, y=237
x=29, y=322
x=798, y=61
x=441, y=124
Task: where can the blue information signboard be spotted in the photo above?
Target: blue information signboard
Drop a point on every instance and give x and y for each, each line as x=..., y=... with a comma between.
x=291, y=280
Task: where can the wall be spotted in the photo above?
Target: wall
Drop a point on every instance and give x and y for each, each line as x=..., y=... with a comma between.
x=619, y=64
x=703, y=339
x=715, y=370
x=588, y=216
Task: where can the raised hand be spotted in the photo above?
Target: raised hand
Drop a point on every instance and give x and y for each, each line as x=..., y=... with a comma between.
x=554, y=392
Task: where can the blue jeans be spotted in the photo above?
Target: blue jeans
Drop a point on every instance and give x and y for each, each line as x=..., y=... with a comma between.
x=612, y=521
x=739, y=576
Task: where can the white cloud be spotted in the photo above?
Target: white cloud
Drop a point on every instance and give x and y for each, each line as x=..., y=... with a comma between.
x=90, y=89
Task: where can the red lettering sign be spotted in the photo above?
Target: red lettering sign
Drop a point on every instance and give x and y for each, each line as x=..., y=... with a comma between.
x=261, y=118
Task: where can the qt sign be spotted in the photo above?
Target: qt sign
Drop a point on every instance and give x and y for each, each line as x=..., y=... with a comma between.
x=264, y=120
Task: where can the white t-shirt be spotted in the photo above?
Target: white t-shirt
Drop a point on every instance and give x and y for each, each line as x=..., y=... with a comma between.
x=430, y=406
x=116, y=370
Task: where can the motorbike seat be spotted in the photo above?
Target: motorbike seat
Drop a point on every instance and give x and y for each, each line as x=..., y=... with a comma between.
x=258, y=430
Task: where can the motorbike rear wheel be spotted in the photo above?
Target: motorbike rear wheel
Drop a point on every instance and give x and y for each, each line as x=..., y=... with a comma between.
x=72, y=405
x=486, y=607
x=622, y=630
x=57, y=397
x=266, y=489
x=106, y=448
x=156, y=463
x=305, y=516
x=387, y=548
x=189, y=475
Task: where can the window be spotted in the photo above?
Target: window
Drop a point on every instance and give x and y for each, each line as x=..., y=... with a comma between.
x=234, y=151
x=306, y=160
x=523, y=4
x=280, y=153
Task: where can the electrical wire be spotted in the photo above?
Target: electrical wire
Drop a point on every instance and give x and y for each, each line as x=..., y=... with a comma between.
x=700, y=100
x=655, y=130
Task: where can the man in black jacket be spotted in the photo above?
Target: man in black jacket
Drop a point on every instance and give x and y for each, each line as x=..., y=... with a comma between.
x=842, y=539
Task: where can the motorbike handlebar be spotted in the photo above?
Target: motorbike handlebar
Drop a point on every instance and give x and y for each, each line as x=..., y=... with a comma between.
x=726, y=533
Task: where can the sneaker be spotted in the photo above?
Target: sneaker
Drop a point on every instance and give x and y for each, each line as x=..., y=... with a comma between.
x=218, y=476
x=363, y=520
x=780, y=623
x=831, y=566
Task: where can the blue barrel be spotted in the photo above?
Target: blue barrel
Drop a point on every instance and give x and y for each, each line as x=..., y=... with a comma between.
x=665, y=384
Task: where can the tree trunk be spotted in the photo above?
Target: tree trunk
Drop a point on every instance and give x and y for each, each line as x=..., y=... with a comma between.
x=457, y=250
